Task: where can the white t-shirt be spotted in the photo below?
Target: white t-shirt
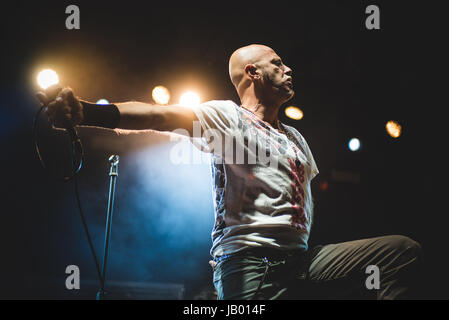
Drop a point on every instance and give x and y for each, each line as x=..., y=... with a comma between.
x=261, y=180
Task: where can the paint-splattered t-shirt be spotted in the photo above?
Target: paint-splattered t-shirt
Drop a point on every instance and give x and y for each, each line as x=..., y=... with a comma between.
x=261, y=180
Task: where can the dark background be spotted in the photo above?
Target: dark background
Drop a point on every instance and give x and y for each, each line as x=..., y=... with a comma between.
x=349, y=81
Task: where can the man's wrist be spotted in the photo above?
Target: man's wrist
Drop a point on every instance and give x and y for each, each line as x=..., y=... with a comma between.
x=106, y=116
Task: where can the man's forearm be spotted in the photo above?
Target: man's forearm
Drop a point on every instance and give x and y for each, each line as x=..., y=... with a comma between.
x=127, y=115
x=139, y=116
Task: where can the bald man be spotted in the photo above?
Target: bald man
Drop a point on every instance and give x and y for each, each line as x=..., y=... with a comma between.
x=262, y=170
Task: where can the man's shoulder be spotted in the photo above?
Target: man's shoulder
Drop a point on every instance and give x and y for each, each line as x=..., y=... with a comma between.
x=226, y=109
x=302, y=141
x=218, y=112
x=294, y=131
x=220, y=103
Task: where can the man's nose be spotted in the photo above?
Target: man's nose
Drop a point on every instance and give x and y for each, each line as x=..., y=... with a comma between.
x=288, y=71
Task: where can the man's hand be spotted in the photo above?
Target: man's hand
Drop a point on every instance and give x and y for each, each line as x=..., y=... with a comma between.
x=213, y=264
x=63, y=108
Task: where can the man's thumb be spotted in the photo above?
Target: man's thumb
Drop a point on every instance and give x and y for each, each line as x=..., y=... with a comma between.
x=42, y=97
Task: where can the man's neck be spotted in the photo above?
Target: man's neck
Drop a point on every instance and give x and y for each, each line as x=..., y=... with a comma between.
x=264, y=111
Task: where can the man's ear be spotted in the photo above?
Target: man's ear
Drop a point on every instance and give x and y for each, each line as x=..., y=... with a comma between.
x=251, y=71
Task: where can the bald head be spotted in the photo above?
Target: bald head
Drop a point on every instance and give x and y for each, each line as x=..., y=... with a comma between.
x=258, y=74
x=251, y=54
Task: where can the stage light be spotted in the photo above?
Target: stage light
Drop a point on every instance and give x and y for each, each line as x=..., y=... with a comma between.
x=161, y=95
x=294, y=113
x=189, y=99
x=394, y=129
x=354, y=144
x=46, y=78
x=102, y=102
x=324, y=186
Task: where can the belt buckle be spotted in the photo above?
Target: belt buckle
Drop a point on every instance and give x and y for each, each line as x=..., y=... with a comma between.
x=221, y=258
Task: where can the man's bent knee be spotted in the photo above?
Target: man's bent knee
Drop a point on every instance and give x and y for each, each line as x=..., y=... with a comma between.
x=403, y=244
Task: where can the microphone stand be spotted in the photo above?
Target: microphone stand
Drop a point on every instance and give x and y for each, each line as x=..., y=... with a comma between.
x=113, y=174
x=77, y=147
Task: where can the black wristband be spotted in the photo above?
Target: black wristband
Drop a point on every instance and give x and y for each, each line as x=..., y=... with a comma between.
x=107, y=115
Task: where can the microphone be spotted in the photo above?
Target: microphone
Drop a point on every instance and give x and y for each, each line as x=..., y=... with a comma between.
x=77, y=146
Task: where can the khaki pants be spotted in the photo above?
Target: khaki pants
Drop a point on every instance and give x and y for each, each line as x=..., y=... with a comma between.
x=334, y=271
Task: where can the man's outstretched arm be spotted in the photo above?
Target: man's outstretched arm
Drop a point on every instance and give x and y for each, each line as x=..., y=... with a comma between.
x=65, y=108
x=138, y=115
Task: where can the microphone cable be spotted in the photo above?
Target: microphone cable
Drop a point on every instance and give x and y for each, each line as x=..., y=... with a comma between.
x=76, y=148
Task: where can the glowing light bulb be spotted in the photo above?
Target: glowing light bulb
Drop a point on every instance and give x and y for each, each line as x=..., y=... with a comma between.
x=47, y=78
x=294, y=113
x=102, y=102
x=394, y=129
x=354, y=144
x=161, y=95
x=189, y=99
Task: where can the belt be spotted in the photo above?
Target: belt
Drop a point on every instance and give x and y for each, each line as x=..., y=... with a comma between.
x=272, y=254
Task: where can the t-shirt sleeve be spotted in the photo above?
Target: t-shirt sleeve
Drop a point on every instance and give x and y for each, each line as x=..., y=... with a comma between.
x=218, y=121
x=308, y=153
x=313, y=167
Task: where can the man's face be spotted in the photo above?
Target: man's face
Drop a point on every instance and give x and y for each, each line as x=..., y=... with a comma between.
x=276, y=77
